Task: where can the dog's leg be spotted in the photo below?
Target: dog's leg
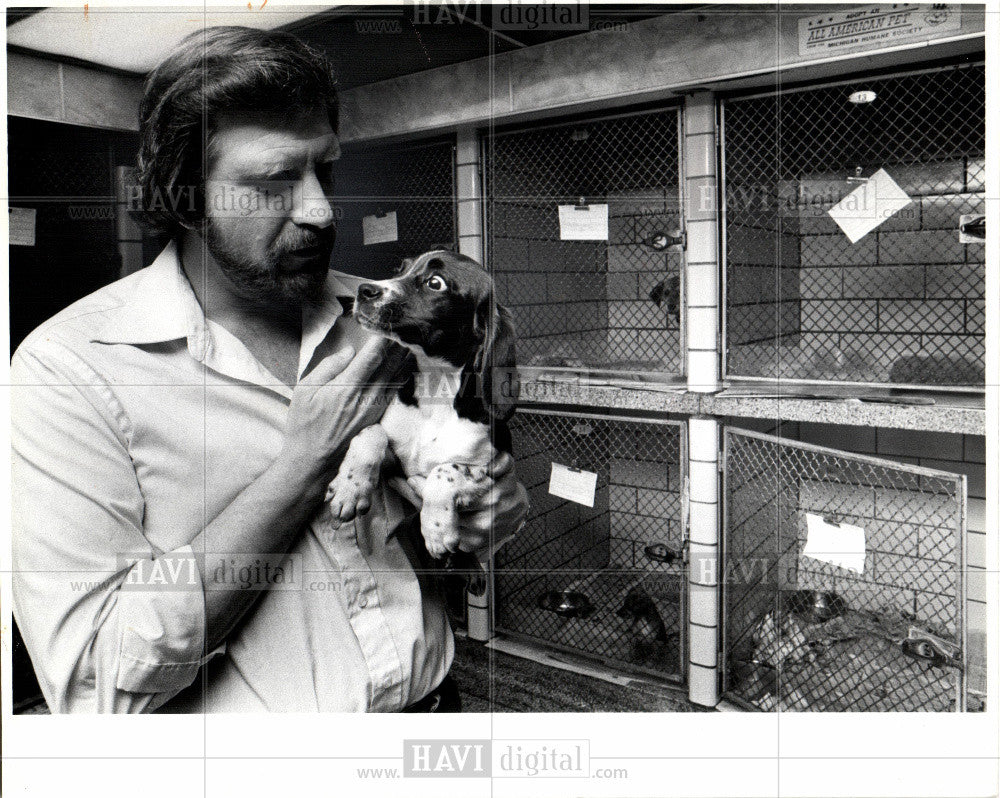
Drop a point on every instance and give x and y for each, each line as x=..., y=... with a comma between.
x=350, y=493
x=448, y=489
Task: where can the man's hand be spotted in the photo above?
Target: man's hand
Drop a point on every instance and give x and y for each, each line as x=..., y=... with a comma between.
x=343, y=395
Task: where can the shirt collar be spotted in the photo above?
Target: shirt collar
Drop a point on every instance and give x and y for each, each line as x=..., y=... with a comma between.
x=161, y=306
x=157, y=308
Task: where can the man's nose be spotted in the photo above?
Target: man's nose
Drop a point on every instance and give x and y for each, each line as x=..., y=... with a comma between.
x=369, y=292
x=312, y=206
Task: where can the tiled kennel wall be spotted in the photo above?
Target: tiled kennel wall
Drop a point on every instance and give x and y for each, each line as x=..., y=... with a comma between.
x=796, y=274
x=637, y=503
x=904, y=303
x=762, y=261
x=960, y=454
x=555, y=290
x=910, y=280
x=585, y=299
x=557, y=533
x=589, y=303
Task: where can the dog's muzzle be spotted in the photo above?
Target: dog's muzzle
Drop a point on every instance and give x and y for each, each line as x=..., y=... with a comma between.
x=373, y=308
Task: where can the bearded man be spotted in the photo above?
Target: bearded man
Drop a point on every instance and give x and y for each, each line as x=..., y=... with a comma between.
x=174, y=433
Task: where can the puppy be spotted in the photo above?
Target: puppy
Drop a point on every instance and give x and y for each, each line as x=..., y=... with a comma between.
x=443, y=309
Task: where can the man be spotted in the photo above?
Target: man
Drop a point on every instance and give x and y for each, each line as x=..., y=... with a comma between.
x=174, y=433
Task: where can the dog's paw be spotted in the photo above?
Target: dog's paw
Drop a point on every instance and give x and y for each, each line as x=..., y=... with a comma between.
x=440, y=531
x=350, y=493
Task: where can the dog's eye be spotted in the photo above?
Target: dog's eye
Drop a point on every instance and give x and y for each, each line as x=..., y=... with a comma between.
x=436, y=283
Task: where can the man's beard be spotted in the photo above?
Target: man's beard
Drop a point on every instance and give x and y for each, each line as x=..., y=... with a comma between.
x=263, y=281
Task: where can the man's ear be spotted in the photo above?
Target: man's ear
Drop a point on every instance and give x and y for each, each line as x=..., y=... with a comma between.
x=495, y=364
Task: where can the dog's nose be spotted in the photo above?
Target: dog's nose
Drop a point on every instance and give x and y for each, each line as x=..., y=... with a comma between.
x=369, y=292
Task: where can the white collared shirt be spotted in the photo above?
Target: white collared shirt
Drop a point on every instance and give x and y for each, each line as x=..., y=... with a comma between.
x=135, y=421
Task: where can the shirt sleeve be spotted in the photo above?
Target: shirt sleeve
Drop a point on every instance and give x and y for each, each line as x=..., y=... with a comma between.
x=111, y=624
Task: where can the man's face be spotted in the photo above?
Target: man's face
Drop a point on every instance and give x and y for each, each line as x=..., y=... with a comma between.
x=269, y=219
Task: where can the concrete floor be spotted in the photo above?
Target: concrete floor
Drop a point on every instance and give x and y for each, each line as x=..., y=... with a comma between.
x=491, y=680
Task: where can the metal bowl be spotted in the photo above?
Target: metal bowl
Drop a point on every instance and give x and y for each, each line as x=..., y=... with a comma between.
x=660, y=552
x=567, y=603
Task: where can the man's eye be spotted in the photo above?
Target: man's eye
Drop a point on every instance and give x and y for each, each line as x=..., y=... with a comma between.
x=284, y=176
x=436, y=283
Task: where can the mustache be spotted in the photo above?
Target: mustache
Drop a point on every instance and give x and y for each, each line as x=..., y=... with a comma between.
x=322, y=238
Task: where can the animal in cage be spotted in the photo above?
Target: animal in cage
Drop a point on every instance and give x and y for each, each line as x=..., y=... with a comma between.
x=646, y=628
x=646, y=635
x=442, y=308
x=667, y=296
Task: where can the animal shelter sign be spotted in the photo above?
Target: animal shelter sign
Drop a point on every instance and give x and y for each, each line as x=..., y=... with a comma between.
x=874, y=26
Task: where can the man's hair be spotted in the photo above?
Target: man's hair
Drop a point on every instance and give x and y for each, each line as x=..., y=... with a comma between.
x=220, y=72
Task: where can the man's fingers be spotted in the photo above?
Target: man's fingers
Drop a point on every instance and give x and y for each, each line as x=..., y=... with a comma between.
x=329, y=367
x=501, y=466
x=364, y=363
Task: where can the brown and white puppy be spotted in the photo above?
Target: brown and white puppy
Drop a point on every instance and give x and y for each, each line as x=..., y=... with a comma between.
x=442, y=425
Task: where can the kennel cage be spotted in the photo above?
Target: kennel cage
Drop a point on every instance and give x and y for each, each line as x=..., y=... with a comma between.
x=902, y=306
x=416, y=181
x=843, y=580
x=605, y=581
x=609, y=306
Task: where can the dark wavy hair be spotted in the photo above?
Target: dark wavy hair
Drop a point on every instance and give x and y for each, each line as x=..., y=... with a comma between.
x=219, y=72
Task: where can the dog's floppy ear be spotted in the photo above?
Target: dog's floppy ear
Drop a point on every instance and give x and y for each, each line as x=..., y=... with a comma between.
x=405, y=264
x=495, y=364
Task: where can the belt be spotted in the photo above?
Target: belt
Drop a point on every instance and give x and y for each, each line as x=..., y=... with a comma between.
x=443, y=698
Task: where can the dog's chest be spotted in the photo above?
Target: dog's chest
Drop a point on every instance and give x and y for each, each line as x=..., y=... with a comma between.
x=424, y=438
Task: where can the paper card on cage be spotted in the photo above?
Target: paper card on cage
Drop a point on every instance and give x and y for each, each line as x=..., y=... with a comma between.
x=583, y=222
x=379, y=229
x=842, y=545
x=573, y=484
x=869, y=205
x=22, y=226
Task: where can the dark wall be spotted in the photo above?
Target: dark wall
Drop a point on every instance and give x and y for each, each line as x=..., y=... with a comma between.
x=66, y=174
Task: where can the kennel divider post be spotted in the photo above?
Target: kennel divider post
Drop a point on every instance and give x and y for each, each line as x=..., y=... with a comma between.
x=469, y=226
x=702, y=518
x=469, y=193
x=699, y=185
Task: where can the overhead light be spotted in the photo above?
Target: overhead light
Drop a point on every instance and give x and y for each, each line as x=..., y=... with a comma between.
x=862, y=97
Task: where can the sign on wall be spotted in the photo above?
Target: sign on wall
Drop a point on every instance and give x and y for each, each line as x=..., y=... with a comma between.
x=880, y=25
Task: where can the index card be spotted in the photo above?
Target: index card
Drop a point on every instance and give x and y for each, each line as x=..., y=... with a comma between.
x=842, y=545
x=583, y=223
x=22, y=226
x=573, y=484
x=380, y=229
x=869, y=205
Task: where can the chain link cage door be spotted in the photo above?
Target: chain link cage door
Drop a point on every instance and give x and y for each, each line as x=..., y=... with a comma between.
x=609, y=306
x=608, y=581
x=416, y=181
x=904, y=304
x=843, y=587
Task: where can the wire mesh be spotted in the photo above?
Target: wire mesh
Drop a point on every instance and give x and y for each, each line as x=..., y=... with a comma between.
x=811, y=633
x=605, y=581
x=904, y=304
x=610, y=305
x=416, y=181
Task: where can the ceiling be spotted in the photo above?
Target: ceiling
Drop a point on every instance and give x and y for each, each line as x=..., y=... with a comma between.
x=366, y=43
